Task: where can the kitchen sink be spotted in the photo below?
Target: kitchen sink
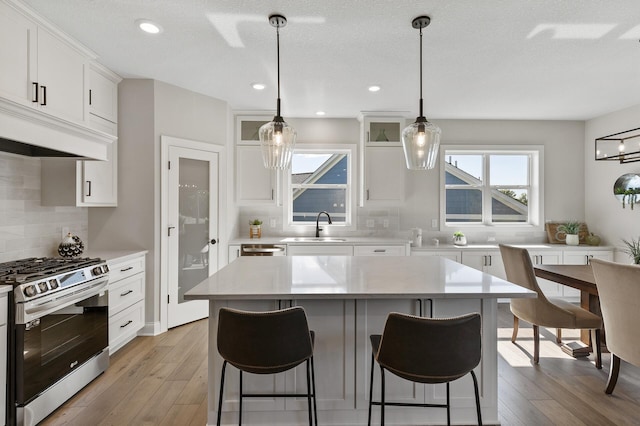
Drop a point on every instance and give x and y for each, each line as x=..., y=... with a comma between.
x=314, y=240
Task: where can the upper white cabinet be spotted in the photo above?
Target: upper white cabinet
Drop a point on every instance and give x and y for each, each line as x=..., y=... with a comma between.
x=255, y=185
x=40, y=68
x=381, y=151
x=103, y=93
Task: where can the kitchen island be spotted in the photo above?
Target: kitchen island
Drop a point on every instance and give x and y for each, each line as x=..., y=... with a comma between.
x=347, y=299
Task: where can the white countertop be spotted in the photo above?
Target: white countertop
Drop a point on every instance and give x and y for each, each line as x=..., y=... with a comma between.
x=351, y=277
x=494, y=246
x=336, y=240
x=115, y=255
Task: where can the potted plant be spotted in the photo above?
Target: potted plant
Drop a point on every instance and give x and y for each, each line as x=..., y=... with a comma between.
x=570, y=229
x=459, y=239
x=633, y=249
x=627, y=196
x=255, y=228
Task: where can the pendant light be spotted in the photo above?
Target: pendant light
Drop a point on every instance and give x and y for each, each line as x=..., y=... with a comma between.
x=421, y=139
x=277, y=138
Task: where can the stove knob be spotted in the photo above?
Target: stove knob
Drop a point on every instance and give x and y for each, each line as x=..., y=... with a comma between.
x=30, y=290
x=106, y=268
x=53, y=284
x=43, y=286
x=97, y=270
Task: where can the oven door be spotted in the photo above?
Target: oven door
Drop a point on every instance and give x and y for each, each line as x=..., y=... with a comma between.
x=53, y=345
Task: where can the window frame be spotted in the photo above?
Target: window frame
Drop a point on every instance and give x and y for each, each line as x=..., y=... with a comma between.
x=535, y=194
x=350, y=198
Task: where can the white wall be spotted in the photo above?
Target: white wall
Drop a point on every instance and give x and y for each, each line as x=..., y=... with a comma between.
x=604, y=213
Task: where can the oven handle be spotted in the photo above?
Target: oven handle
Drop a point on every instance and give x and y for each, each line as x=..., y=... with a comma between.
x=29, y=311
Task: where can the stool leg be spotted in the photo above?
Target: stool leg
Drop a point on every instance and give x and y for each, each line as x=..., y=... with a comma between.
x=597, y=350
x=515, y=329
x=224, y=367
x=475, y=388
x=309, y=394
x=613, y=374
x=536, y=344
x=313, y=384
x=240, y=405
x=448, y=407
x=370, y=391
x=382, y=396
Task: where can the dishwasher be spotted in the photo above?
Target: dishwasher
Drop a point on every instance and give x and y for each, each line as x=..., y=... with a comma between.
x=263, y=250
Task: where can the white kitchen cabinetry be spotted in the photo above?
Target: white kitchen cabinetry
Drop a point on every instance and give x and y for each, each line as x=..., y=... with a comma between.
x=255, y=185
x=126, y=299
x=84, y=183
x=455, y=255
x=549, y=257
x=320, y=250
x=3, y=356
x=584, y=256
x=43, y=70
x=485, y=261
x=380, y=250
x=103, y=93
x=234, y=252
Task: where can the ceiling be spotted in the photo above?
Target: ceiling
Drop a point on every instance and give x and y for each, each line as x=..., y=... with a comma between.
x=494, y=59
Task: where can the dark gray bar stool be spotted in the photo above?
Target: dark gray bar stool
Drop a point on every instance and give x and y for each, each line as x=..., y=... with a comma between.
x=427, y=350
x=266, y=343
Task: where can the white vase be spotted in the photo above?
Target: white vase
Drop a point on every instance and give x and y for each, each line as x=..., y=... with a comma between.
x=460, y=241
x=572, y=240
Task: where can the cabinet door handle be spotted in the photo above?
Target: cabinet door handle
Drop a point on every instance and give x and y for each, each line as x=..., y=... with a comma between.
x=44, y=95
x=126, y=269
x=169, y=230
x=88, y=189
x=126, y=324
x=367, y=194
x=36, y=90
x=272, y=194
x=379, y=250
x=89, y=96
x=490, y=264
x=125, y=293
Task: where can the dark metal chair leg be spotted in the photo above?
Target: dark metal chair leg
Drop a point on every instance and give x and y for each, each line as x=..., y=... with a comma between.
x=240, y=406
x=448, y=407
x=382, y=396
x=475, y=388
x=224, y=367
x=613, y=374
x=313, y=385
x=370, y=391
x=309, y=394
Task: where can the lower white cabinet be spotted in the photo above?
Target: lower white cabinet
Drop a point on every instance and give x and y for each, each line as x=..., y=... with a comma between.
x=381, y=250
x=548, y=257
x=320, y=250
x=126, y=299
x=3, y=357
x=583, y=257
x=486, y=261
x=455, y=255
x=234, y=252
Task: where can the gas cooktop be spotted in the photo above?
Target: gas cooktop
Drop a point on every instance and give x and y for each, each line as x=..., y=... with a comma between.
x=25, y=270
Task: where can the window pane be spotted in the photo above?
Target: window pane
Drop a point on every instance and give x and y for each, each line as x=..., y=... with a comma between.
x=509, y=205
x=464, y=205
x=463, y=169
x=509, y=170
x=319, y=168
x=307, y=203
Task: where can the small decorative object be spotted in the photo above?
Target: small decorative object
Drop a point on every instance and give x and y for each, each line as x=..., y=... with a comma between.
x=592, y=239
x=71, y=246
x=459, y=239
x=554, y=236
x=627, y=189
x=255, y=228
x=382, y=136
x=633, y=249
x=570, y=229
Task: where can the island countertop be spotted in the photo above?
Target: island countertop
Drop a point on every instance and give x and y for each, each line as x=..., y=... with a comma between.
x=351, y=277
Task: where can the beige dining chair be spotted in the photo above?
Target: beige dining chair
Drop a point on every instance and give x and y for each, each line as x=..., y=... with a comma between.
x=619, y=292
x=541, y=311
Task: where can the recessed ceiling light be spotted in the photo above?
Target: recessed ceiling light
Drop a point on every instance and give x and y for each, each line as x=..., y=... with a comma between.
x=148, y=26
x=258, y=86
x=374, y=88
x=320, y=113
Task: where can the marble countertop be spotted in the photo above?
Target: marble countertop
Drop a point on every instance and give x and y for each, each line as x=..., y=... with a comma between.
x=351, y=277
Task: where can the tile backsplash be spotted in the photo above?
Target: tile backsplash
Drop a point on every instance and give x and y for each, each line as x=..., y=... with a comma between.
x=28, y=229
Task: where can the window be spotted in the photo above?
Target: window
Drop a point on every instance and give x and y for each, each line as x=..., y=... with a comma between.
x=320, y=180
x=494, y=186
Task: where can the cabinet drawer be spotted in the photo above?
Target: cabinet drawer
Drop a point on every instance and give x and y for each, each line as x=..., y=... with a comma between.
x=127, y=268
x=320, y=250
x=379, y=251
x=125, y=293
x=3, y=310
x=125, y=325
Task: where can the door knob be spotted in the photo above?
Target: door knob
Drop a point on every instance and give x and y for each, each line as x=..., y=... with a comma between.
x=213, y=241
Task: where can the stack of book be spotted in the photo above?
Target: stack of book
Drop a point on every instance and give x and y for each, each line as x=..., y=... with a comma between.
x=576, y=349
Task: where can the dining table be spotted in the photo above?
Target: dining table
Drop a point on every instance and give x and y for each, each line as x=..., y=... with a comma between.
x=580, y=277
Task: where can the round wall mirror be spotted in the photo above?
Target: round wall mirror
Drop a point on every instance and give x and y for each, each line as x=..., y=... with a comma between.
x=627, y=189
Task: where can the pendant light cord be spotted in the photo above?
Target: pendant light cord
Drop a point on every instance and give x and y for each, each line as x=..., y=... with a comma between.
x=278, y=55
x=421, y=111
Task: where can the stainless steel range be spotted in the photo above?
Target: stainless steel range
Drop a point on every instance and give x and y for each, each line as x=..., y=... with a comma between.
x=58, y=335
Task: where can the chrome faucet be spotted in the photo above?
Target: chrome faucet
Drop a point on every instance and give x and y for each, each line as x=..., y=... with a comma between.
x=318, y=229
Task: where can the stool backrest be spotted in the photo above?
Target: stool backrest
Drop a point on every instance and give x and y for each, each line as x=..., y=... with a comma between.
x=264, y=342
x=431, y=350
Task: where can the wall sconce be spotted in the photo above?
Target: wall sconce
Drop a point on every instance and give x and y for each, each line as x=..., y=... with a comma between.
x=619, y=147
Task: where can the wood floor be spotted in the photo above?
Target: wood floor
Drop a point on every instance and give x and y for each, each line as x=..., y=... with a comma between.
x=162, y=381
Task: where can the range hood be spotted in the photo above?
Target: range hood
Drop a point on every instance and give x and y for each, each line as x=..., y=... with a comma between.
x=27, y=131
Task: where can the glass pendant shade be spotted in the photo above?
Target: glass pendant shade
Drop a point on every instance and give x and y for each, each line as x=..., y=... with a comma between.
x=277, y=140
x=420, y=142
